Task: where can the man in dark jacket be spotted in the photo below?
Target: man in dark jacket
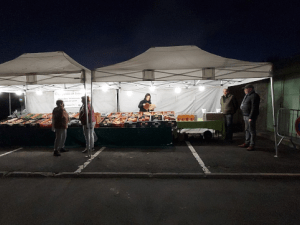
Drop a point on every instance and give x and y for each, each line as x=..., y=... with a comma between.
x=250, y=109
x=229, y=105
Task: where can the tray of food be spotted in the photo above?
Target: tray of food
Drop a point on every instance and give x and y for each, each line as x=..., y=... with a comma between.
x=47, y=123
x=15, y=122
x=119, y=122
x=6, y=122
x=107, y=122
x=114, y=115
x=144, y=121
x=131, y=122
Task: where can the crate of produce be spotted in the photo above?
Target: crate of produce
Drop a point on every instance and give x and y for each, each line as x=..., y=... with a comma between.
x=6, y=122
x=169, y=112
x=15, y=122
x=144, y=121
x=47, y=123
x=119, y=122
x=147, y=113
x=114, y=115
x=28, y=116
x=156, y=117
x=37, y=116
x=131, y=122
x=107, y=122
x=28, y=123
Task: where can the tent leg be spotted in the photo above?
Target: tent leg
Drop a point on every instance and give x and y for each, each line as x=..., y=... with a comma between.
x=118, y=97
x=86, y=110
x=273, y=112
x=91, y=111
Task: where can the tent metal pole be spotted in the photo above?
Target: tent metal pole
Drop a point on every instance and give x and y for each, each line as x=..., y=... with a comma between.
x=91, y=111
x=9, y=103
x=273, y=112
x=86, y=112
x=25, y=99
x=118, y=97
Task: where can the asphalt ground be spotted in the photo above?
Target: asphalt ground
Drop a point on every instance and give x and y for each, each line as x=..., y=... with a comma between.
x=148, y=201
x=215, y=156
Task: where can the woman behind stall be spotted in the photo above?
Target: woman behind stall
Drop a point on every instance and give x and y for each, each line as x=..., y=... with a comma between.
x=60, y=120
x=82, y=118
x=145, y=104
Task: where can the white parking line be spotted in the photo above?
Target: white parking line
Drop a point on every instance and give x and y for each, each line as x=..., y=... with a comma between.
x=10, y=152
x=201, y=163
x=80, y=168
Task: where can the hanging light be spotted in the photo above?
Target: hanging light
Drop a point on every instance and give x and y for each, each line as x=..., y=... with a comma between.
x=19, y=92
x=201, y=88
x=129, y=93
x=39, y=92
x=104, y=88
x=177, y=90
x=60, y=92
x=152, y=88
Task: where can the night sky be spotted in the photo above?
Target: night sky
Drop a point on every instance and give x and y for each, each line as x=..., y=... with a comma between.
x=98, y=34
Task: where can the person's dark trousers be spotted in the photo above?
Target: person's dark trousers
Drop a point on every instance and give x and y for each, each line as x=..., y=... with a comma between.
x=228, y=118
x=250, y=131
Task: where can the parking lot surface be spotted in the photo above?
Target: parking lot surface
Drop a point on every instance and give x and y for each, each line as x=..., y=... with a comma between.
x=186, y=157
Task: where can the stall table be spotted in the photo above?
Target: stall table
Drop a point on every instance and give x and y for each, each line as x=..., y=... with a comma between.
x=217, y=125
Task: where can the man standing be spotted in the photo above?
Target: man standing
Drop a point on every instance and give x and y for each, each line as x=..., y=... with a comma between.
x=229, y=105
x=250, y=109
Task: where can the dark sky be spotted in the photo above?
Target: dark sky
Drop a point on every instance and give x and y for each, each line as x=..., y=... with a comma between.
x=101, y=33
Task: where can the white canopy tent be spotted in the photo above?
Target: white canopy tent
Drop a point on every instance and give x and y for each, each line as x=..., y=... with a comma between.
x=181, y=63
x=31, y=70
x=46, y=72
x=185, y=63
x=42, y=68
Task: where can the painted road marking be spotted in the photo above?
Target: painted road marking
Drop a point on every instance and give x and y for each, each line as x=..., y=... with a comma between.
x=11, y=152
x=80, y=168
x=201, y=163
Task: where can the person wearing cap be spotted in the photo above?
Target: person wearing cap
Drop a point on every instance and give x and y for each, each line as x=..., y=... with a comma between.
x=229, y=106
x=91, y=120
x=250, y=110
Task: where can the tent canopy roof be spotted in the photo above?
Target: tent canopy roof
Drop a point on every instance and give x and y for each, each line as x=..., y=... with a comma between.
x=180, y=63
x=48, y=67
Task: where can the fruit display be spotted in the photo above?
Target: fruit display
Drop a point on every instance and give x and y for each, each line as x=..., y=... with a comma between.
x=186, y=117
x=119, y=122
x=114, y=119
x=107, y=122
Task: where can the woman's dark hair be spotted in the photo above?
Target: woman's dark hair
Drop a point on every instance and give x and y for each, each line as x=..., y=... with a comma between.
x=147, y=95
x=87, y=97
x=59, y=102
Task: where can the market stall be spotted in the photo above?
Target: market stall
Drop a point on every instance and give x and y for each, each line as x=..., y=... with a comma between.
x=38, y=72
x=185, y=65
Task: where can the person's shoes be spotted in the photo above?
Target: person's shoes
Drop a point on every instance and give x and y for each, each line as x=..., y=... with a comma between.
x=250, y=148
x=56, y=153
x=84, y=151
x=244, y=145
x=64, y=150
